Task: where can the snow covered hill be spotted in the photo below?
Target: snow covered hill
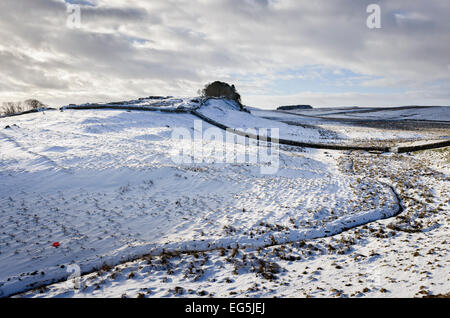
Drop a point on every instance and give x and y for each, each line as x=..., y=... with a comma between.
x=105, y=185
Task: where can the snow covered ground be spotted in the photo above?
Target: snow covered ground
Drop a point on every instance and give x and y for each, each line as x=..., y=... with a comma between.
x=159, y=102
x=360, y=126
x=105, y=185
x=431, y=113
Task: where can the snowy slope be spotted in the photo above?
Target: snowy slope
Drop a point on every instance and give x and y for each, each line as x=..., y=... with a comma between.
x=226, y=113
x=104, y=184
x=429, y=113
x=373, y=260
x=358, y=127
x=437, y=113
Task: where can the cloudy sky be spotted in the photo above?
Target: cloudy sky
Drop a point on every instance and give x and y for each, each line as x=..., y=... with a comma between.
x=276, y=52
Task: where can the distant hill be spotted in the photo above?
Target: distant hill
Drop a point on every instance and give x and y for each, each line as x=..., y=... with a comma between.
x=294, y=107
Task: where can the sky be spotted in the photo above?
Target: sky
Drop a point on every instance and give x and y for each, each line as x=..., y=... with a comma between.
x=276, y=52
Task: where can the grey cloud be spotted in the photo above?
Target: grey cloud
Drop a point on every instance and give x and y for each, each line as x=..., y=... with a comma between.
x=181, y=44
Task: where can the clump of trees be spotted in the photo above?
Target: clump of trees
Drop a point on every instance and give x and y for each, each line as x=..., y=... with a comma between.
x=11, y=108
x=219, y=89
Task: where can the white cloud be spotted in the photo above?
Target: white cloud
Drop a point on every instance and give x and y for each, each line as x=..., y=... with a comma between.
x=127, y=49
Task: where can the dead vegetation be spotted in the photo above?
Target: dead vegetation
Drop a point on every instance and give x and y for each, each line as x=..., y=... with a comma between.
x=405, y=173
x=11, y=108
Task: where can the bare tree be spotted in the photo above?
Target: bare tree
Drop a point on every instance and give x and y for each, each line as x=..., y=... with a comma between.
x=34, y=104
x=11, y=108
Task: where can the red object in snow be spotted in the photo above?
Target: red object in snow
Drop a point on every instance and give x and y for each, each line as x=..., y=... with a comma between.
x=55, y=244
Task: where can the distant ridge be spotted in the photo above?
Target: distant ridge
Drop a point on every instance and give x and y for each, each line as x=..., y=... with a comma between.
x=294, y=107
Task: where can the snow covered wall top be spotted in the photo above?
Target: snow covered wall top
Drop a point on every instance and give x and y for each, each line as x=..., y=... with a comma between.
x=151, y=102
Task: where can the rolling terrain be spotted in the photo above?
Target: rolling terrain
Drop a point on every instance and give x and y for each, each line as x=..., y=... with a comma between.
x=104, y=182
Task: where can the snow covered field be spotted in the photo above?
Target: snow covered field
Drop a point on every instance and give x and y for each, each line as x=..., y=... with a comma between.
x=104, y=184
x=436, y=113
x=360, y=126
